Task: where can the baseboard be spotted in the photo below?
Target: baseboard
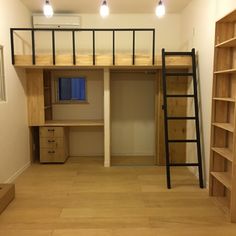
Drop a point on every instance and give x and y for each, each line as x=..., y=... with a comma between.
x=17, y=173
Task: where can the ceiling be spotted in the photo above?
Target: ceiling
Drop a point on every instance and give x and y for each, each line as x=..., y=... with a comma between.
x=116, y=6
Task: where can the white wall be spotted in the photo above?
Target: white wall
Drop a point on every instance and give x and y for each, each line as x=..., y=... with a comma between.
x=167, y=29
x=14, y=134
x=198, y=31
x=132, y=114
x=224, y=7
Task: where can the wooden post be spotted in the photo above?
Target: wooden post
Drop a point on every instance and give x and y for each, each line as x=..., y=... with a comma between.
x=158, y=120
x=35, y=95
x=107, y=152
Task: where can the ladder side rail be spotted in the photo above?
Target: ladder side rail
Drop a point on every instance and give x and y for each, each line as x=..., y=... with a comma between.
x=165, y=119
x=199, y=154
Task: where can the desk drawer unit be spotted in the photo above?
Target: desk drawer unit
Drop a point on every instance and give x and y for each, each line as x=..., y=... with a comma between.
x=53, y=144
x=52, y=155
x=52, y=132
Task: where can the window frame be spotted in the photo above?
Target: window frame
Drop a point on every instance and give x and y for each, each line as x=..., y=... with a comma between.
x=72, y=101
x=2, y=76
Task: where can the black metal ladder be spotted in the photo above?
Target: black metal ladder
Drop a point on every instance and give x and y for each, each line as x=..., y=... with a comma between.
x=192, y=74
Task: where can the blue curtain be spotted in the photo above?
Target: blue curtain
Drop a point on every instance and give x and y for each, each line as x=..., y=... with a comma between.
x=72, y=89
x=64, y=89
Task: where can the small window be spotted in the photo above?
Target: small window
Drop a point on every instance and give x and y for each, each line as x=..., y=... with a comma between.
x=2, y=78
x=72, y=89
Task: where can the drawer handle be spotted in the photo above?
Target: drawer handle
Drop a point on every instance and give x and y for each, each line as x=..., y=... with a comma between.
x=51, y=152
x=51, y=141
x=51, y=130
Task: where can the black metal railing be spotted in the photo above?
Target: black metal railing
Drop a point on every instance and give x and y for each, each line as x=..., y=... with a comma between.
x=73, y=31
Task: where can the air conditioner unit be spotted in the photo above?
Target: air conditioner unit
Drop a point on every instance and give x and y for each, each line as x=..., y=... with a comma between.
x=57, y=21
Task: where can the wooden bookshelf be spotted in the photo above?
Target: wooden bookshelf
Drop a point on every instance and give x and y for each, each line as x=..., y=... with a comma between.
x=224, y=152
x=224, y=178
x=227, y=44
x=224, y=99
x=227, y=71
x=222, y=184
x=226, y=126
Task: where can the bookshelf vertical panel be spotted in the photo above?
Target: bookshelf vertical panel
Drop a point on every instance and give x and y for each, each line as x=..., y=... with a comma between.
x=222, y=183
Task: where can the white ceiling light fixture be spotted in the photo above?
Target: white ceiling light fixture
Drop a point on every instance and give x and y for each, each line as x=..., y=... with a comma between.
x=47, y=9
x=160, y=9
x=104, y=9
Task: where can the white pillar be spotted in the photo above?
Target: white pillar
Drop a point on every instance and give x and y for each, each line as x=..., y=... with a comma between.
x=107, y=149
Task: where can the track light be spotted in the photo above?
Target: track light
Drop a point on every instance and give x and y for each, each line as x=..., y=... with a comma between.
x=47, y=9
x=104, y=9
x=160, y=9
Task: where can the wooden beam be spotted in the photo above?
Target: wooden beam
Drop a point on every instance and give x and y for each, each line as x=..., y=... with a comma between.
x=158, y=124
x=35, y=95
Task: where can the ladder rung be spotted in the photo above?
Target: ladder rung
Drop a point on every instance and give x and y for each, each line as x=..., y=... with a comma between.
x=181, y=118
x=184, y=164
x=182, y=141
x=179, y=74
x=178, y=53
x=180, y=96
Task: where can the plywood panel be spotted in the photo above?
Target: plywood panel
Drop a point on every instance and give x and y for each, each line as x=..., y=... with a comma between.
x=224, y=31
x=158, y=120
x=35, y=95
x=176, y=107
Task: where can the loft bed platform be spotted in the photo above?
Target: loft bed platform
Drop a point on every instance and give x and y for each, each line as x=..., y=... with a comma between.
x=43, y=48
x=122, y=60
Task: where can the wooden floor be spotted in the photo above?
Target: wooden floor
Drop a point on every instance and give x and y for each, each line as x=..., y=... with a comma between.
x=82, y=198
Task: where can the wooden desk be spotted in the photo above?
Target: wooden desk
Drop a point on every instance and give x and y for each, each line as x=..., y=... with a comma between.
x=74, y=123
x=54, y=138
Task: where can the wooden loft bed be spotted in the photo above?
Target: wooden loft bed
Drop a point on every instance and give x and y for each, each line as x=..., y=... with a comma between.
x=40, y=66
x=53, y=59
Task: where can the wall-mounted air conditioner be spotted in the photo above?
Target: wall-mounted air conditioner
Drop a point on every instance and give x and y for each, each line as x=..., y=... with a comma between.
x=57, y=21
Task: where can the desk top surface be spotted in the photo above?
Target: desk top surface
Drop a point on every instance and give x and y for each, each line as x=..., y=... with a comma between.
x=74, y=123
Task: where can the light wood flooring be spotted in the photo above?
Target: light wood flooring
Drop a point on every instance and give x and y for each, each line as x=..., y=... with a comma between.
x=82, y=198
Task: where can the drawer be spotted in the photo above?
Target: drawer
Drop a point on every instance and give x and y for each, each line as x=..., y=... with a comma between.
x=52, y=132
x=48, y=155
x=51, y=142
